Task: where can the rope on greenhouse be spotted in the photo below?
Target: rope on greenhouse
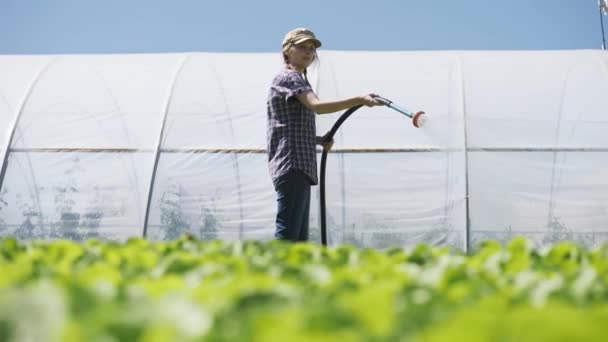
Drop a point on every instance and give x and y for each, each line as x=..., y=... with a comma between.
x=336, y=150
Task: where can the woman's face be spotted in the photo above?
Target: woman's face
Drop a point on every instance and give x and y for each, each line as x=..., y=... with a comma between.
x=302, y=55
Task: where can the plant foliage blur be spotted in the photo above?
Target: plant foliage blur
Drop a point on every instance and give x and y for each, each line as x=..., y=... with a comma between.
x=194, y=290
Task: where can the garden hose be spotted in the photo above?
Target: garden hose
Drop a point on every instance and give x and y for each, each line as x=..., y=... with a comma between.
x=418, y=119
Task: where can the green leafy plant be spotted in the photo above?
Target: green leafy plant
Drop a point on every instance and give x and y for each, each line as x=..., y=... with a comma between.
x=211, y=290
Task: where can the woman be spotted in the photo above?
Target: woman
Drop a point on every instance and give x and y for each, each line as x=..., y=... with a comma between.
x=291, y=138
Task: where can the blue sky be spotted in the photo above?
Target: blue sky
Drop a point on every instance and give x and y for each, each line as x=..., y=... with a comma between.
x=141, y=26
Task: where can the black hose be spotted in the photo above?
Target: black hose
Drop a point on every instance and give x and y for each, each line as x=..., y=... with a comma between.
x=329, y=136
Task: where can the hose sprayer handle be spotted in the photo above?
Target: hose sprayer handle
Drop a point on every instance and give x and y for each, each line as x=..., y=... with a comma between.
x=382, y=100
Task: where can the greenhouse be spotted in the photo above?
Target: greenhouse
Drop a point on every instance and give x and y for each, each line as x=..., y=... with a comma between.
x=157, y=145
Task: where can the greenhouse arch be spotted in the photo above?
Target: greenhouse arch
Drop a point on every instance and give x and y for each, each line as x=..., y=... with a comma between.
x=113, y=146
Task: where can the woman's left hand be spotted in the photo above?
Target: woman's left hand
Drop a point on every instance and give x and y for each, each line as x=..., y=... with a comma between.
x=326, y=142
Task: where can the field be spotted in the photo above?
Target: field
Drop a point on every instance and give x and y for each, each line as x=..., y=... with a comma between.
x=191, y=290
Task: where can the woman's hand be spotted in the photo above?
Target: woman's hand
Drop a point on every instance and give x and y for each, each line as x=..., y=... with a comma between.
x=326, y=142
x=370, y=100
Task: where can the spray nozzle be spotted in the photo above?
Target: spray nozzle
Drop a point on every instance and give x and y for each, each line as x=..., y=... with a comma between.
x=418, y=119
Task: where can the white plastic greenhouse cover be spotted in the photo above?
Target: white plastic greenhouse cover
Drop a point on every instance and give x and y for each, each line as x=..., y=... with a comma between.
x=517, y=143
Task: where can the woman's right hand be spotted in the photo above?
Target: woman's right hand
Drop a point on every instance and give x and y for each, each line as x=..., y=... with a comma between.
x=369, y=100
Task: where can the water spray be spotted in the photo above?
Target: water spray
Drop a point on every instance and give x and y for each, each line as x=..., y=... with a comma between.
x=418, y=120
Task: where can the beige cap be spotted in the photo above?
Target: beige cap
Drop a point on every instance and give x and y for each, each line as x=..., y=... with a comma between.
x=300, y=35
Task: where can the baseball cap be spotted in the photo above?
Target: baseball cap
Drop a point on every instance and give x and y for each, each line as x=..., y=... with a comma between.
x=300, y=35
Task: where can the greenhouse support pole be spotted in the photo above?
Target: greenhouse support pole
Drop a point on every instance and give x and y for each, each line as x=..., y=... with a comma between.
x=467, y=247
x=235, y=156
x=554, y=167
x=467, y=191
x=18, y=118
x=159, y=143
x=602, y=6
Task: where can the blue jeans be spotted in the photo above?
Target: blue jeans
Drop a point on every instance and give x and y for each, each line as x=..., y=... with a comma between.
x=293, y=200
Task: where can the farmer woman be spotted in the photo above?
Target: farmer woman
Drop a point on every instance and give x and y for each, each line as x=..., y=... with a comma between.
x=291, y=133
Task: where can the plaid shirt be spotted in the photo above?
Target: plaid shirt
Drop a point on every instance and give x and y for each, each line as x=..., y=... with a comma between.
x=291, y=132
